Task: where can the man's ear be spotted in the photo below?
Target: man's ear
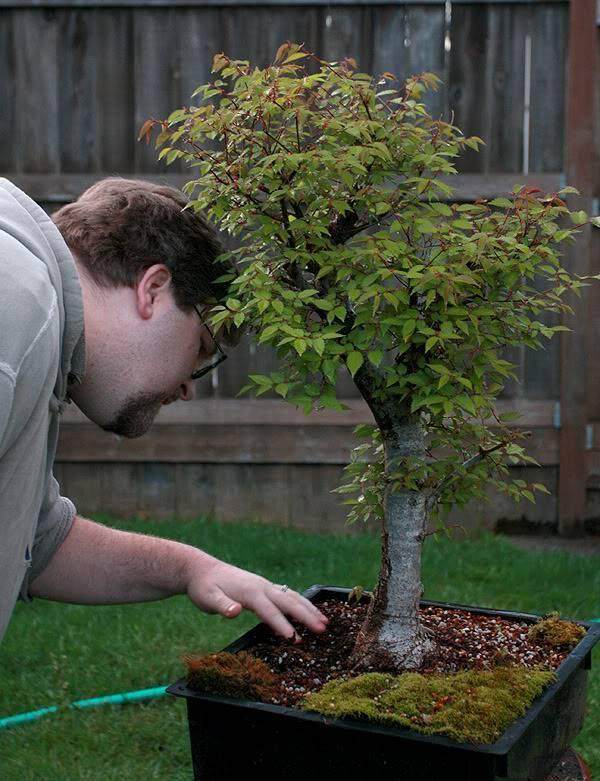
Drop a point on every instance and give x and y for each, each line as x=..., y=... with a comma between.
x=155, y=283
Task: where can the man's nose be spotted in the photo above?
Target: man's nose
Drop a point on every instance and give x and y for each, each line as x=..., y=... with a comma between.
x=187, y=390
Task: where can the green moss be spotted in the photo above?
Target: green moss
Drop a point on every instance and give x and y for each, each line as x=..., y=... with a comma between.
x=232, y=675
x=556, y=632
x=475, y=706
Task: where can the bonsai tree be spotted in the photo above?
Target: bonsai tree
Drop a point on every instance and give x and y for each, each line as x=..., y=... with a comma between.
x=350, y=254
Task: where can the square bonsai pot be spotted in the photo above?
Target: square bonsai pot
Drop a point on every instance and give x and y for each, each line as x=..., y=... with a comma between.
x=233, y=738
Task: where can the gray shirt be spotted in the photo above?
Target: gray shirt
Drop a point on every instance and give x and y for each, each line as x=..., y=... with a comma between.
x=41, y=349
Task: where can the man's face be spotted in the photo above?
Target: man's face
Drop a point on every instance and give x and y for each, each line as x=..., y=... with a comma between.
x=141, y=350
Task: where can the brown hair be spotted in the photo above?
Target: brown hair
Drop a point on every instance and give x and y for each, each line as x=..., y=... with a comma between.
x=120, y=227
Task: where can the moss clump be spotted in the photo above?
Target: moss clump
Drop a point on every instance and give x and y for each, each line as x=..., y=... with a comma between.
x=556, y=632
x=475, y=706
x=232, y=675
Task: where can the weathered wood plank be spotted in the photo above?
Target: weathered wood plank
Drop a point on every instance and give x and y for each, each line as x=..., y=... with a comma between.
x=210, y=444
x=241, y=444
x=581, y=169
x=247, y=358
x=255, y=34
x=593, y=329
x=486, y=82
x=347, y=32
x=549, y=36
x=541, y=368
x=77, y=85
x=200, y=36
x=255, y=412
x=548, y=31
x=61, y=188
x=156, y=91
x=504, y=88
x=36, y=82
x=115, y=122
x=120, y=487
x=410, y=40
x=467, y=68
x=156, y=486
x=203, y=3
x=8, y=93
x=303, y=499
x=195, y=488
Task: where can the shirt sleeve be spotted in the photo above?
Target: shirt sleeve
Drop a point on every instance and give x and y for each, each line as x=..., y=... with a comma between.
x=7, y=390
x=54, y=523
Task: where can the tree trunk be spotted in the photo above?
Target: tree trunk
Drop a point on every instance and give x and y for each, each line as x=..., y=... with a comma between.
x=392, y=637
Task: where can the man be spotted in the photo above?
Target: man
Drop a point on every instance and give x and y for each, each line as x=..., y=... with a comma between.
x=100, y=305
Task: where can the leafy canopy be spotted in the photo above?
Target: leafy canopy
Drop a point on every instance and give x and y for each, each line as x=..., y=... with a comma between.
x=351, y=254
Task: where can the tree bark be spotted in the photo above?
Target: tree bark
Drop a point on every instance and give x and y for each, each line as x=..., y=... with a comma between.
x=392, y=637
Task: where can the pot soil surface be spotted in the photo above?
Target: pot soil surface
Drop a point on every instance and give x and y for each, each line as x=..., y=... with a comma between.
x=464, y=641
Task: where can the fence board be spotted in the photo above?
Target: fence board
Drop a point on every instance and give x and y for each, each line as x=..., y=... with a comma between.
x=156, y=86
x=64, y=188
x=115, y=122
x=504, y=88
x=237, y=3
x=36, y=88
x=8, y=93
x=347, y=32
x=410, y=40
x=486, y=82
x=77, y=106
x=549, y=34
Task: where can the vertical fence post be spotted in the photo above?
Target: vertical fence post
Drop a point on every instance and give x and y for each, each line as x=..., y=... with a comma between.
x=580, y=166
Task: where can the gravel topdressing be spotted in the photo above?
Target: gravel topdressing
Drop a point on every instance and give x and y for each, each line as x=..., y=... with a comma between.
x=464, y=641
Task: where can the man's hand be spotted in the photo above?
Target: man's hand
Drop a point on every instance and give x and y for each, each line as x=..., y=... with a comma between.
x=97, y=565
x=222, y=588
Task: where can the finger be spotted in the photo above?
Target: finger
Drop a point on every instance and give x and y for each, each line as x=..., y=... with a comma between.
x=288, y=603
x=219, y=602
x=308, y=605
x=270, y=614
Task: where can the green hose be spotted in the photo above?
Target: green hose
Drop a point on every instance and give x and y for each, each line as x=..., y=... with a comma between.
x=110, y=699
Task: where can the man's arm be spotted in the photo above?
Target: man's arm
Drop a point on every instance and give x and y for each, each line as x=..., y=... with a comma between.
x=97, y=565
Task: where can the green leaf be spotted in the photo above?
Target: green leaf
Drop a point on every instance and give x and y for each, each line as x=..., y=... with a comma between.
x=595, y=221
x=268, y=332
x=579, y=218
x=568, y=191
x=319, y=345
x=300, y=345
x=408, y=328
x=375, y=356
x=466, y=403
x=260, y=379
x=354, y=361
x=433, y=340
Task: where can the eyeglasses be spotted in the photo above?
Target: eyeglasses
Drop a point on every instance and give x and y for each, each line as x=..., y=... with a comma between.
x=206, y=369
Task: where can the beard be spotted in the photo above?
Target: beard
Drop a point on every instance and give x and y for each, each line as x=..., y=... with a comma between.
x=137, y=415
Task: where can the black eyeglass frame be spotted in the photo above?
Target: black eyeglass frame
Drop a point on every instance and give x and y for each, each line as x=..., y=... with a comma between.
x=206, y=369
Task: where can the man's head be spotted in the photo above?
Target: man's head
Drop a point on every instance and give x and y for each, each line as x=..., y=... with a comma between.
x=143, y=263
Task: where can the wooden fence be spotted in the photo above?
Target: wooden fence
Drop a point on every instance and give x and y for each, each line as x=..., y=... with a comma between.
x=77, y=80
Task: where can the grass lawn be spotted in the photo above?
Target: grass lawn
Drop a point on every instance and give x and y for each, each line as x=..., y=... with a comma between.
x=53, y=654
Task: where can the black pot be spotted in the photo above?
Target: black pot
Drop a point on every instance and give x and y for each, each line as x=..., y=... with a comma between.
x=234, y=738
